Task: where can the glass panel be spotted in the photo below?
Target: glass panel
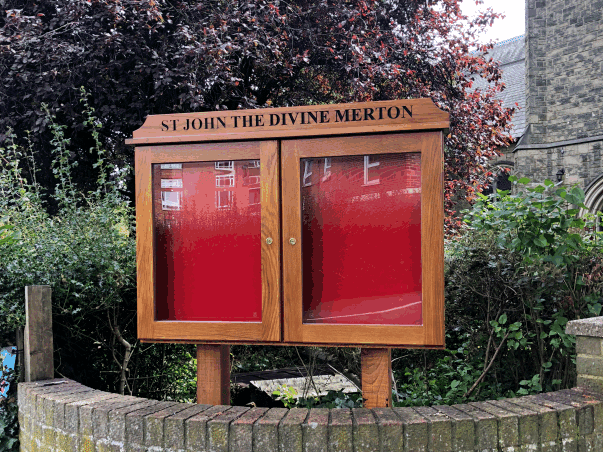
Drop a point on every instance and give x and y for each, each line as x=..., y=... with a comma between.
x=207, y=241
x=361, y=239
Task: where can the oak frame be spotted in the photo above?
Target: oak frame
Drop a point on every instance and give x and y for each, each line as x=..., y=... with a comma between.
x=425, y=116
x=268, y=329
x=280, y=151
x=431, y=333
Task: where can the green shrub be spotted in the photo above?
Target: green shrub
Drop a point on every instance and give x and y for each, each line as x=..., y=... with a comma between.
x=524, y=265
x=85, y=250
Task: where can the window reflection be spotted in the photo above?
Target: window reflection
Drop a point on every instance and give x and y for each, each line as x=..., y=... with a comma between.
x=223, y=199
x=327, y=170
x=171, y=200
x=307, y=173
x=228, y=165
x=370, y=179
x=171, y=183
x=254, y=196
x=225, y=180
x=207, y=236
x=171, y=166
x=361, y=239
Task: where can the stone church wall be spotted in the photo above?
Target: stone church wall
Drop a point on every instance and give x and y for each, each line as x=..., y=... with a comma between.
x=564, y=92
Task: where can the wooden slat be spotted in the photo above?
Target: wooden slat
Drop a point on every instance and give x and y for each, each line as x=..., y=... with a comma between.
x=381, y=344
x=335, y=119
x=144, y=243
x=213, y=374
x=205, y=152
x=292, y=256
x=376, y=368
x=397, y=143
x=432, y=237
x=211, y=332
x=271, y=253
x=336, y=334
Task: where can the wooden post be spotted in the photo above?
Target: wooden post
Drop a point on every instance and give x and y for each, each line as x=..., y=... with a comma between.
x=376, y=377
x=37, y=340
x=213, y=374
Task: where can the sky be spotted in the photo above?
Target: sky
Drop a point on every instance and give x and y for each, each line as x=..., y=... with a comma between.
x=7, y=359
x=509, y=27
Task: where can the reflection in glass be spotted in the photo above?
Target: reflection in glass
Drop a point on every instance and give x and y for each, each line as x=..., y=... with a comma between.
x=170, y=200
x=171, y=183
x=361, y=239
x=207, y=241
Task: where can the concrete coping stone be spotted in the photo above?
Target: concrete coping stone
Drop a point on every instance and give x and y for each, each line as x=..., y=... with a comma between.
x=591, y=327
x=54, y=419
x=295, y=416
x=250, y=417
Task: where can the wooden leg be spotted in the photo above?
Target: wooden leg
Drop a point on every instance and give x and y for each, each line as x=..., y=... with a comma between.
x=376, y=381
x=213, y=374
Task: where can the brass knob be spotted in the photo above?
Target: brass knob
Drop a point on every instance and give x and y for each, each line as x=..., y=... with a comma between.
x=269, y=240
x=292, y=241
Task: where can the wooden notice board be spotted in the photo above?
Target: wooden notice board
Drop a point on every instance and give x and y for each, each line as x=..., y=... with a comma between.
x=316, y=225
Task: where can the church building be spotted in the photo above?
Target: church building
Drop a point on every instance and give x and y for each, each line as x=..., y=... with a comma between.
x=559, y=129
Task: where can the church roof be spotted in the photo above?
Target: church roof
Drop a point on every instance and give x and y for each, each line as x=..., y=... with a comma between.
x=511, y=56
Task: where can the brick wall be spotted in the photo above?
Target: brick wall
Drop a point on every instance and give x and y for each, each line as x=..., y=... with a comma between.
x=589, y=352
x=62, y=415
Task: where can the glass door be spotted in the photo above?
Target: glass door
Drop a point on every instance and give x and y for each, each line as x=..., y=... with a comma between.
x=357, y=248
x=207, y=241
x=213, y=267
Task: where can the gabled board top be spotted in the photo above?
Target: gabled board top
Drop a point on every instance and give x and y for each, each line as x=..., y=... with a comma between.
x=289, y=122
